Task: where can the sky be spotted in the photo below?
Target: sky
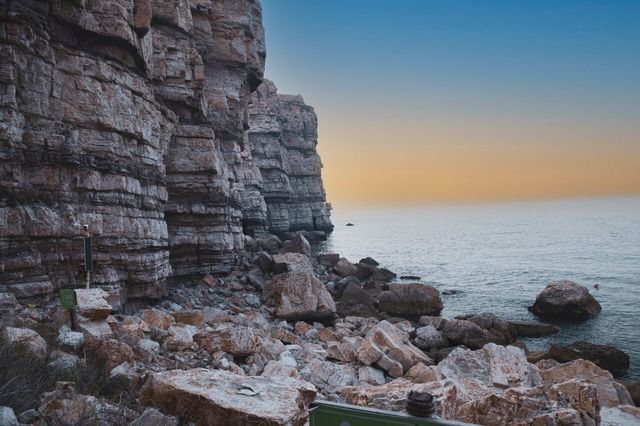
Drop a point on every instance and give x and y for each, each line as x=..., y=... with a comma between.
x=465, y=100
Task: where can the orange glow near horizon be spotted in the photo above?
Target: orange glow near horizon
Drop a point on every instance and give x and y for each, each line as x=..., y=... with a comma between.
x=367, y=162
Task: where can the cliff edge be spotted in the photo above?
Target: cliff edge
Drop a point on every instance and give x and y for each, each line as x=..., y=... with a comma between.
x=130, y=116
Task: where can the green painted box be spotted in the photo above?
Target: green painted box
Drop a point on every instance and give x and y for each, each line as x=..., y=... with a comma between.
x=68, y=298
x=326, y=413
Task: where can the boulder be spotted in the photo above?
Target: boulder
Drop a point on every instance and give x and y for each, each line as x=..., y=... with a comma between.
x=112, y=351
x=371, y=376
x=91, y=304
x=634, y=390
x=328, y=259
x=148, y=345
x=355, y=301
x=467, y=333
x=569, y=403
x=329, y=377
x=389, y=348
x=607, y=357
x=610, y=392
x=207, y=397
x=299, y=296
x=193, y=317
x=498, y=330
x=436, y=321
x=62, y=360
x=157, y=318
x=270, y=244
x=494, y=366
x=32, y=342
x=533, y=329
x=369, y=261
x=64, y=406
x=95, y=328
x=297, y=244
x=410, y=300
x=346, y=350
x=392, y=396
x=565, y=300
x=292, y=262
x=382, y=274
x=344, y=268
x=428, y=337
x=153, y=417
x=265, y=262
x=421, y=373
x=233, y=339
x=621, y=415
x=8, y=417
x=280, y=368
x=180, y=338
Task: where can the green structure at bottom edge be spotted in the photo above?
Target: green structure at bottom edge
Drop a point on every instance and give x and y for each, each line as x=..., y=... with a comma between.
x=326, y=413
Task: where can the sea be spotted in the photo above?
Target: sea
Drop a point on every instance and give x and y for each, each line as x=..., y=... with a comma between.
x=496, y=257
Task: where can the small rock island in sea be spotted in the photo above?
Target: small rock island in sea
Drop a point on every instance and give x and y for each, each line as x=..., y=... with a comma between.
x=200, y=186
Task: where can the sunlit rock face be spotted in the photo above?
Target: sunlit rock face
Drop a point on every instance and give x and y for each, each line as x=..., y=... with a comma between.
x=129, y=116
x=283, y=138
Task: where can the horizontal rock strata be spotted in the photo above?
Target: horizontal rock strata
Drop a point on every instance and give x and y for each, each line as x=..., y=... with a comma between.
x=131, y=117
x=283, y=138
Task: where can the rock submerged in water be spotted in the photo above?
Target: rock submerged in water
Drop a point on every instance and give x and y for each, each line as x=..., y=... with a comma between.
x=410, y=300
x=608, y=357
x=565, y=300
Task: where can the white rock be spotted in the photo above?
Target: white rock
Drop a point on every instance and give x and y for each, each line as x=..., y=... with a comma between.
x=31, y=340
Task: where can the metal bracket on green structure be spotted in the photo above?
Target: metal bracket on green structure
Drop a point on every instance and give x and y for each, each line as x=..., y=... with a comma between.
x=326, y=413
x=68, y=298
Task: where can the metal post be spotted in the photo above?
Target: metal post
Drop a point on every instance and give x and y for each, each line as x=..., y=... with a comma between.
x=88, y=255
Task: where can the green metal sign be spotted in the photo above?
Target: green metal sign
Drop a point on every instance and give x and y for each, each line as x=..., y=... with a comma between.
x=68, y=298
x=325, y=413
x=88, y=254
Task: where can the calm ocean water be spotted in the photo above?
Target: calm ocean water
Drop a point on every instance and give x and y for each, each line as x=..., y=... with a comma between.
x=500, y=256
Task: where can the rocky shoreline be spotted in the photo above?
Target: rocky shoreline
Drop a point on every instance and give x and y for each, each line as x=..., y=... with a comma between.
x=286, y=327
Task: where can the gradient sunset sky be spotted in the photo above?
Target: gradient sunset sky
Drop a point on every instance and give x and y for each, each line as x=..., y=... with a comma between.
x=464, y=100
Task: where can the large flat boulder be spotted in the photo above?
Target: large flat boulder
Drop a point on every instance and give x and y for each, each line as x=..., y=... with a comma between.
x=390, y=349
x=299, y=296
x=410, y=300
x=217, y=397
x=565, y=300
x=92, y=305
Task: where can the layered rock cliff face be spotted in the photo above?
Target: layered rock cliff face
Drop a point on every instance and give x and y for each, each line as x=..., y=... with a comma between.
x=130, y=116
x=283, y=138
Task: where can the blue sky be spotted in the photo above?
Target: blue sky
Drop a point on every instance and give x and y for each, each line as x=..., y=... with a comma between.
x=475, y=75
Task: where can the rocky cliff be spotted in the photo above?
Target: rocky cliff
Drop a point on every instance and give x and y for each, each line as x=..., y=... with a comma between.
x=283, y=138
x=131, y=116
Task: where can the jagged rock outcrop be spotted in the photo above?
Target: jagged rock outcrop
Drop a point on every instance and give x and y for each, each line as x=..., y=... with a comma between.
x=283, y=138
x=131, y=116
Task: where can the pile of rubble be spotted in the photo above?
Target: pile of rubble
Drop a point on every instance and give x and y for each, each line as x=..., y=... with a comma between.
x=287, y=327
